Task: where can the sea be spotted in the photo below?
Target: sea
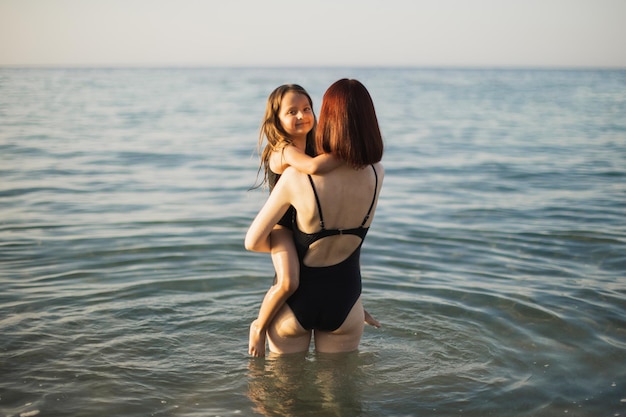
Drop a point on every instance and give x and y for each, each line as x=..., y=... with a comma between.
x=496, y=262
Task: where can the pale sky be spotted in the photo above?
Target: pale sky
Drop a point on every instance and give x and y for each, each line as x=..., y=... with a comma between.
x=500, y=33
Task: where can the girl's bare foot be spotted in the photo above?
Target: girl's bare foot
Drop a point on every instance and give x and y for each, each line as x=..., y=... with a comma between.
x=256, y=343
x=371, y=320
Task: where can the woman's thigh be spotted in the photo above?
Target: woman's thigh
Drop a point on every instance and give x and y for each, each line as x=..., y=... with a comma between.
x=286, y=335
x=347, y=337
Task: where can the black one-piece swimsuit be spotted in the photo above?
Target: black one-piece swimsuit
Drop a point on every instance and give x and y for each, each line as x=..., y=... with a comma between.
x=326, y=294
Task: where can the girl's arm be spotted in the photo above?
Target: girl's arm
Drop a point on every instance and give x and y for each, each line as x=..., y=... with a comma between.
x=307, y=164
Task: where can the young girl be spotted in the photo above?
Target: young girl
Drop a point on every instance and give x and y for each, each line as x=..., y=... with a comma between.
x=289, y=127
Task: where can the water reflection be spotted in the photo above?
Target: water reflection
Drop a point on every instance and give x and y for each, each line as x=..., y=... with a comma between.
x=307, y=384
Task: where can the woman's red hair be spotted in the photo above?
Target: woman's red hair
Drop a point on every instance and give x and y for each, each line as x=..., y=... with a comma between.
x=347, y=126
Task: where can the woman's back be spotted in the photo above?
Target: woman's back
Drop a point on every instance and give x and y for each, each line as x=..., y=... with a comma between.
x=347, y=198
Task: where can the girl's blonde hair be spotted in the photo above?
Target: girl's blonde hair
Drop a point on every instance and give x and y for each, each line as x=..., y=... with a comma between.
x=272, y=131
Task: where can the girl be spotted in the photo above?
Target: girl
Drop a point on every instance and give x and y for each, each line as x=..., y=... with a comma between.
x=289, y=127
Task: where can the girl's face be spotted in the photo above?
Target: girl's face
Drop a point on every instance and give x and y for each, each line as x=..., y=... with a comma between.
x=296, y=115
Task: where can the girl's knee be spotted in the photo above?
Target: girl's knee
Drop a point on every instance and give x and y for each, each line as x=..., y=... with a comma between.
x=289, y=284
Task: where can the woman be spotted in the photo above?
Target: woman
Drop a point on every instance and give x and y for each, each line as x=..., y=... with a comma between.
x=334, y=211
x=288, y=133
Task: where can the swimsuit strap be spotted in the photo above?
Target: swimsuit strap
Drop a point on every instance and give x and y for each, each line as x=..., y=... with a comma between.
x=367, y=216
x=319, y=206
x=317, y=199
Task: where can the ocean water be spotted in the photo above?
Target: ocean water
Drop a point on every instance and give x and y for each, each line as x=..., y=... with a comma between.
x=496, y=261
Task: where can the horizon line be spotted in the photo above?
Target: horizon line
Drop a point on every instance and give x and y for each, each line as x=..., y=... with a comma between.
x=325, y=66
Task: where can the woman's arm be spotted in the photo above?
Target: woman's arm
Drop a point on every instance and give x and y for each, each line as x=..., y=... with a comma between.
x=307, y=164
x=258, y=235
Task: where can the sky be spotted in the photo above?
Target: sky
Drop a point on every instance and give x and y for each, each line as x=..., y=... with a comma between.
x=381, y=33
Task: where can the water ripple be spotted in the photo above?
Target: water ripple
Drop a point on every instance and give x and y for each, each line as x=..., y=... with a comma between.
x=495, y=262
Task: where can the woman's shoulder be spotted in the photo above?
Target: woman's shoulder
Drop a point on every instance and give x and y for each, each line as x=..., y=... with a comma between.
x=378, y=166
x=292, y=174
x=292, y=181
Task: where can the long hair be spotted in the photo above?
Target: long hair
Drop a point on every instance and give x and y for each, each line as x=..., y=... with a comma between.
x=348, y=127
x=272, y=131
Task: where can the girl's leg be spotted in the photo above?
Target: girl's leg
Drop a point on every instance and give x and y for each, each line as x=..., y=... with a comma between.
x=285, y=260
x=369, y=319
